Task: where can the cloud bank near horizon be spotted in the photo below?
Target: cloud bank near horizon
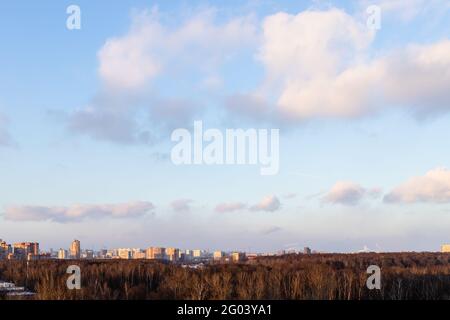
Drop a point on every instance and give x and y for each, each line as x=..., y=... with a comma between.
x=79, y=212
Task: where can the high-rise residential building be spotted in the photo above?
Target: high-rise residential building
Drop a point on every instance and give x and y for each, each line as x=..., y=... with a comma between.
x=197, y=253
x=124, y=253
x=110, y=254
x=138, y=254
x=218, y=255
x=102, y=254
x=62, y=254
x=75, y=249
x=172, y=254
x=186, y=255
x=5, y=249
x=89, y=254
x=238, y=256
x=34, y=248
x=25, y=250
x=445, y=248
x=156, y=253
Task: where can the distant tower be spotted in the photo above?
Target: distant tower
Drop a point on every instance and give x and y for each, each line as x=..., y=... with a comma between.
x=62, y=254
x=75, y=249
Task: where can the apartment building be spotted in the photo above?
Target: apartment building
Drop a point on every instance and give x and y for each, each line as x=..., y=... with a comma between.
x=156, y=253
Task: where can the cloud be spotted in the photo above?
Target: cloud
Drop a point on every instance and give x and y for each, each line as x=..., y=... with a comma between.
x=349, y=193
x=302, y=52
x=250, y=106
x=407, y=10
x=433, y=187
x=78, y=212
x=129, y=108
x=181, y=205
x=128, y=62
x=269, y=203
x=109, y=125
x=173, y=113
x=309, y=43
x=149, y=48
x=271, y=230
x=319, y=65
x=230, y=207
x=5, y=137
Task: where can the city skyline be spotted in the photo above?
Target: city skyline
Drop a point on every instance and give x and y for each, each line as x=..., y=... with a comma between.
x=76, y=251
x=31, y=251
x=86, y=118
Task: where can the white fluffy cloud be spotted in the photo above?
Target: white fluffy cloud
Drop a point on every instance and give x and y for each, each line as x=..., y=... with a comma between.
x=318, y=65
x=433, y=187
x=311, y=43
x=195, y=47
x=129, y=62
x=269, y=203
x=77, y=212
x=349, y=193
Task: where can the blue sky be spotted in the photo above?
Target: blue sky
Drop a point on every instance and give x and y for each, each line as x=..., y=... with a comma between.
x=86, y=117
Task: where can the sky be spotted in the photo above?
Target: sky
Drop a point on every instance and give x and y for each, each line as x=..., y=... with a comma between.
x=86, y=118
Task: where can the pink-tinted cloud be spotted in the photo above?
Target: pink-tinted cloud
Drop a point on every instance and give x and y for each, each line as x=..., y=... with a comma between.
x=230, y=207
x=269, y=203
x=434, y=187
x=349, y=193
x=78, y=212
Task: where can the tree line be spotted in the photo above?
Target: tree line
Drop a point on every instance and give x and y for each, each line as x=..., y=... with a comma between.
x=317, y=276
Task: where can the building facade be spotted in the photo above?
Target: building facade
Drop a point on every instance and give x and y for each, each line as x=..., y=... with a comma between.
x=62, y=254
x=172, y=254
x=197, y=253
x=218, y=255
x=238, y=256
x=75, y=249
x=25, y=250
x=124, y=253
x=156, y=253
x=5, y=249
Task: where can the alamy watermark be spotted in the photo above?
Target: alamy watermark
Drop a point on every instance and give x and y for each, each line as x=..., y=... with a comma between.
x=374, y=280
x=234, y=147
x=74, y=280
x=73, y=21
x=373, y=21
